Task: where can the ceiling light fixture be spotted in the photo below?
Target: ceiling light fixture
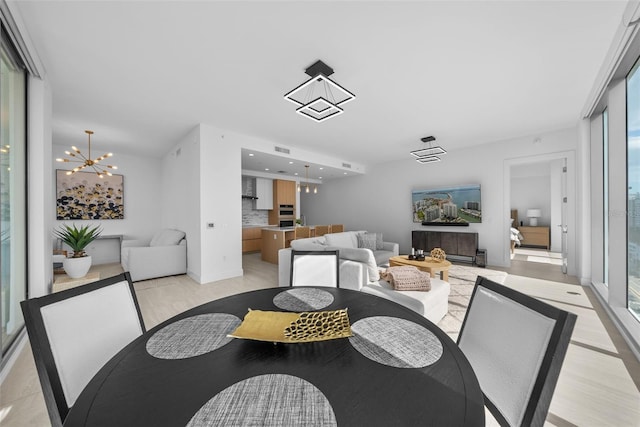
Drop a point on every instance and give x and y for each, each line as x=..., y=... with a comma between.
x=78, y=157
x=319, y=98
x=430, y=153
x=306, y=185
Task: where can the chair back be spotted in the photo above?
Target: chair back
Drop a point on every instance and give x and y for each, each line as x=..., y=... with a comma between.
x=73, y=333
x=302, y=232
x=315, y=268
x=336, y=228
x=321, y=230
x=516, y=345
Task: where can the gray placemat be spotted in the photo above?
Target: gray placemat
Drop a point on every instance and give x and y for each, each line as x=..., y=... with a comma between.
x=303, y=299
x=192, y=336
x=272, y=400
x=395, y=342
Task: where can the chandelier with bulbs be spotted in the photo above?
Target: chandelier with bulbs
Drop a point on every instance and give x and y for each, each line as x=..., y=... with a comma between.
x=87, y=162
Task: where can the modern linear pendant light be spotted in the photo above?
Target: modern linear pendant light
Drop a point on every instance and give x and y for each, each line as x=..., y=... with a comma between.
x=319, y=98
x=430, y=153
x=87, y=162
x=306, y=185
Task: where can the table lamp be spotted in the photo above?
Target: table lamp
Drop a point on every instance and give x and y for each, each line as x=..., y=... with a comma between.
x=533, y=215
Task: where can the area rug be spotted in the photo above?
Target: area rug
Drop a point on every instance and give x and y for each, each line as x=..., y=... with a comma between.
x=462, y=280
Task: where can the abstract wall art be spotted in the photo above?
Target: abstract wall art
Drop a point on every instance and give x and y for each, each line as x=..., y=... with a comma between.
x=85, y=195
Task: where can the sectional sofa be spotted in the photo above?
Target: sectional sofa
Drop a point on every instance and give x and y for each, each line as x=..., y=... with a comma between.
x=360, y=270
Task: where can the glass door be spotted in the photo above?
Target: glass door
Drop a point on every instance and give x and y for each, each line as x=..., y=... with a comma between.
x=13, y=222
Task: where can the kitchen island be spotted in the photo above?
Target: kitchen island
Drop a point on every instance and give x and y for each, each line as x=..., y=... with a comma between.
x=276, y=238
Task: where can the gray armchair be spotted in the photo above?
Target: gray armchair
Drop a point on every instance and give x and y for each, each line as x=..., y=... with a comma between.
x=164, y=255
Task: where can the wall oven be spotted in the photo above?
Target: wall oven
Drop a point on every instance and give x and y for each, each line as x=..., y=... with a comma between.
x=285, y=223
x=286, y=211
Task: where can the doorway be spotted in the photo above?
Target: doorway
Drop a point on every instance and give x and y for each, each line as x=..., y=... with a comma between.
x=543, y=187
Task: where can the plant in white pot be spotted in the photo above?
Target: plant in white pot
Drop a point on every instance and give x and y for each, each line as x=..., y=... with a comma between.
x=77, y=239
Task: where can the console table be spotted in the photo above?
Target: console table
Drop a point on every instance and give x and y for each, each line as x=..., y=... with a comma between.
x=453, y=243
x=535, y=236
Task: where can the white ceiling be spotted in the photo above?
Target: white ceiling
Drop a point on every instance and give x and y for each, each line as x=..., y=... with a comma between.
x=142, y=74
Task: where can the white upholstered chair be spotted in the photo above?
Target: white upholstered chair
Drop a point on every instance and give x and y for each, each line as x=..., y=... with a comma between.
x=516, y=345
x=164, y=255
x=73, y=333
x=315, y=268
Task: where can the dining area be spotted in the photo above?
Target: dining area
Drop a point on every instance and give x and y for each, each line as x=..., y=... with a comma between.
x=213, y=365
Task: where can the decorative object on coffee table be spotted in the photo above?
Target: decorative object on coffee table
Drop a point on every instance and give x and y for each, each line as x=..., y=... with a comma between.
x=437, y=254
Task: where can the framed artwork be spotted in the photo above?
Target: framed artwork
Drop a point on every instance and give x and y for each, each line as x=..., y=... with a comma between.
x=85, y=195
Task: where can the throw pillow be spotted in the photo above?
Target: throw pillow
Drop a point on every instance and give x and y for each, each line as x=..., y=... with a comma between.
x=379, y=242
x=367, y=241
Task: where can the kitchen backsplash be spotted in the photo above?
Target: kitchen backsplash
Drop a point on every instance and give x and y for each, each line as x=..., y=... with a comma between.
x=250, y=216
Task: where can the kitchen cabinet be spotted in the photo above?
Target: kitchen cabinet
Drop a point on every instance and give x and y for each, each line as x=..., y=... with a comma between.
x=284, y=192
x=264, y=192
x=251, y=239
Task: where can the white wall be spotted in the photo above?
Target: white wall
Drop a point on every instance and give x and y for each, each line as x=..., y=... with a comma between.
x=41, y=213
x=381, y=200
x=203, y=185
x=181, y=195
x=531, y=192
x=142, y=182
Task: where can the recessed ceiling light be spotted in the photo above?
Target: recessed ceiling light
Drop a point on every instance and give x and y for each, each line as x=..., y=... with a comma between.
x=250, y=154
x=345, y=173
x=321, y=168
x=290, y=163
x=296, y=174
x=319, y=177
x=266, y=169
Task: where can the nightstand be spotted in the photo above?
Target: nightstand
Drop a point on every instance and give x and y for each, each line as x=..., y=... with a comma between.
x=535, y=236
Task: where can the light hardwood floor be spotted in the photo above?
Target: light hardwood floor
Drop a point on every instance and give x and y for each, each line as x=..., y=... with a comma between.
x=599, y=384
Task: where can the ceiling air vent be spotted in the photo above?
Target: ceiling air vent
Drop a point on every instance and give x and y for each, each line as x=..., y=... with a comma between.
x=346, y=165
x=283, y=150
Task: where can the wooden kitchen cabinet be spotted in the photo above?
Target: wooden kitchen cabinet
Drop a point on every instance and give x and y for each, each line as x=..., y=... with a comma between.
x=251, y=239
x=535, y=236
x=284, y=192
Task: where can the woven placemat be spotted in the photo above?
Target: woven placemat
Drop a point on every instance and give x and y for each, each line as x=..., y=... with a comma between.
x=267, y=400
x=395, y=342
x=303, y=299
x=192, y=336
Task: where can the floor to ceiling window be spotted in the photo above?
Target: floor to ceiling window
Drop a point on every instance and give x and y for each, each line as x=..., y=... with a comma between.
x=12, y=192
x=605, y=196
x=633, y=186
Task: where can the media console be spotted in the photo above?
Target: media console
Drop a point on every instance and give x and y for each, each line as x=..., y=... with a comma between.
x=457, y=245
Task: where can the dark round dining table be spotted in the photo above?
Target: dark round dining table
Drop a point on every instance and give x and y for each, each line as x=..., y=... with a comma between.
x=398, y=369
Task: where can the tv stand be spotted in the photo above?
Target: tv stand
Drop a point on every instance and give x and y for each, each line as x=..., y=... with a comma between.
x=457, y=245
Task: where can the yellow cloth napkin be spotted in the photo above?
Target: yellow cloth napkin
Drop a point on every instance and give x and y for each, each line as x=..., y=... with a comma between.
x=279, y=326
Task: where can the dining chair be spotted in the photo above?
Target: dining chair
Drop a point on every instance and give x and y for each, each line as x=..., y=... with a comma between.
x=302, y=232
x=516, y=345
x=321, y=230
x=73, y=333
x=336, y=228
x=315, y=268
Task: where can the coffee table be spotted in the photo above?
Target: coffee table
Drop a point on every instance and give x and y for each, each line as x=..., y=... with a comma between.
x=429, y=265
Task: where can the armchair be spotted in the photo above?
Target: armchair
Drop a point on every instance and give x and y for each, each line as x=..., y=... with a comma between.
x=164, y=255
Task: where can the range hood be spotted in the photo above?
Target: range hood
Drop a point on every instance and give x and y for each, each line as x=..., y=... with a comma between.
x=249, y=197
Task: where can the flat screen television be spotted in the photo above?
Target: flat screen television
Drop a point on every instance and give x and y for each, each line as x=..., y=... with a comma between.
x=459, y=205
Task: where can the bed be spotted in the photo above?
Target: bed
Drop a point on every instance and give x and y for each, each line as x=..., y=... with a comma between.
x=514, y=233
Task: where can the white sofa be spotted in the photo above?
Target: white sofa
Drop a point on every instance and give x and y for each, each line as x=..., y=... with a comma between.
x=360, y=271
x=164, y=255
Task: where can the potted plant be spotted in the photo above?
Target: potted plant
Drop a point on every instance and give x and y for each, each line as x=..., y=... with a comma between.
x=77, y=239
